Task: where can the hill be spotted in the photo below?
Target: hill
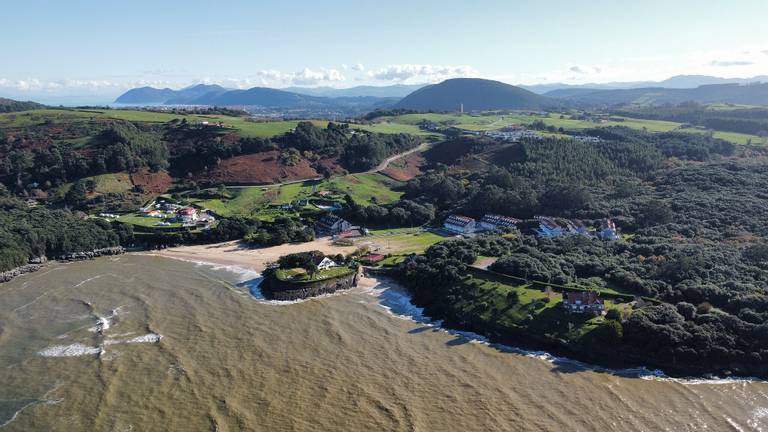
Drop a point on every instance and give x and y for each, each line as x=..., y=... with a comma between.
x=10, y=105
x=475, y=94
x=260, y=96
x=186, y=95
x=751, y=94
x=151, y=95
x=146, y=95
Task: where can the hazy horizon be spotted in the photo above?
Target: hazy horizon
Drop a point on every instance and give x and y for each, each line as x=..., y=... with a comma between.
x=242, y=45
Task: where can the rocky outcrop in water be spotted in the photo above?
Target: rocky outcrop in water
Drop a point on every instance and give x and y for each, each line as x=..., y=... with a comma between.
x=275, y=289
x=80, y=256
x=36, y=264
x=18, y=271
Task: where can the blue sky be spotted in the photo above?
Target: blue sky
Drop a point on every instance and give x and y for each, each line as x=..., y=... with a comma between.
x=100, y=48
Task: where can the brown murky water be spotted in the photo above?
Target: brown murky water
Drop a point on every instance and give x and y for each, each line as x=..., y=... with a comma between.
x=140, y=343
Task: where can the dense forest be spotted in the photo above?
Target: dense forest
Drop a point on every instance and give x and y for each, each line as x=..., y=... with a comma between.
x=26, y=159
x=697, y=212
x=27, y=233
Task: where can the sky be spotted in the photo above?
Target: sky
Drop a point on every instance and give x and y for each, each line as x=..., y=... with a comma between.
x=96, y=50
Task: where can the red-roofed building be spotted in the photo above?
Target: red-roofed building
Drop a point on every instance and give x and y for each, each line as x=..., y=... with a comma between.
x=187, y=214
x=372, y=258
x=583, y=301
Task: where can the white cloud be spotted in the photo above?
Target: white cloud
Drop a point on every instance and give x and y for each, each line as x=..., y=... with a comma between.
x=310, y=77
x=586, y=70
x=728, y=63
x=420, y=73
x=358, y=67
x=276, y=78
x=765, y=52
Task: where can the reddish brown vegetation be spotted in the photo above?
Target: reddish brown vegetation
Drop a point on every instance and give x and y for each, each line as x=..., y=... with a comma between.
x=405, y=168
x=151, y=182
x=259, y=168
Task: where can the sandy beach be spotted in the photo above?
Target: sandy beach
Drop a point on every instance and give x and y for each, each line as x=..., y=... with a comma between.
x=235, y=253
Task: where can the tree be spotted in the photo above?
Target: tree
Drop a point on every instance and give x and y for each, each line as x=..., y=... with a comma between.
x=311, y=269
x=654, y=212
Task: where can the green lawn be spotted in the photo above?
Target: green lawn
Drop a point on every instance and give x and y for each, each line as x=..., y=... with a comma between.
x=403, y=241
x=136, y=219
x=300, y=275
x=486, y=300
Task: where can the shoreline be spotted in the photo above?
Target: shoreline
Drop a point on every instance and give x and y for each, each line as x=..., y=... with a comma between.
x=236, y=253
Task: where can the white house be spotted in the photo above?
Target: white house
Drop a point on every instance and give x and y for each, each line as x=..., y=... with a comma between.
x=326, y=263
x=459, y=224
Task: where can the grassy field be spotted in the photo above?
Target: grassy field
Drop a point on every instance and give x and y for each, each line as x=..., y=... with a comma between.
x=391, y=128
x=363, y=188
x=248, y=201
x=488, y=122
x=401, y=242
x=243, y=125
x=112, y=183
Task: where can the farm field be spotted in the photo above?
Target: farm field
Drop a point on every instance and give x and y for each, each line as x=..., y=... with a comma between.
x=487, y=122
x=391, y=128
x=242, y=125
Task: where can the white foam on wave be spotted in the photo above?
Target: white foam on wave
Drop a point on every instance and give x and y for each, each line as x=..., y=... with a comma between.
x=250, y=279
x=243, y=272
x=397, y=301
x=103, y=323
x=147, y=338
x=73, y=350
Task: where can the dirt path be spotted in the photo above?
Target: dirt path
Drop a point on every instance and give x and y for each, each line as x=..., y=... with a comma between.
x=385, y=163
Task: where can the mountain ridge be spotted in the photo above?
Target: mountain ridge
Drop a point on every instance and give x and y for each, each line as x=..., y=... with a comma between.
x=473, y=94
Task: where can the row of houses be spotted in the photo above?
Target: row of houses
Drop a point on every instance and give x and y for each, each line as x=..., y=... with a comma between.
x=512, y=134
x=466, y=225
x=548, y=227
x=552, y=227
